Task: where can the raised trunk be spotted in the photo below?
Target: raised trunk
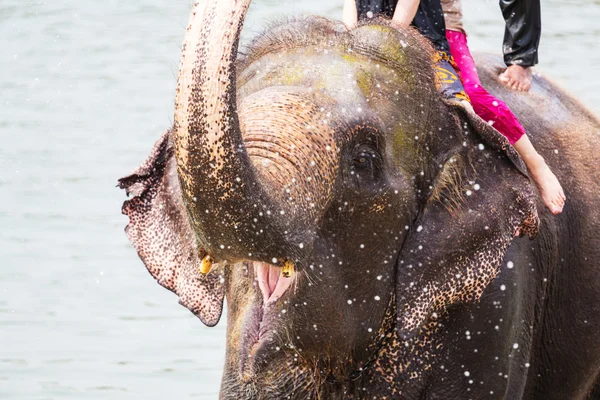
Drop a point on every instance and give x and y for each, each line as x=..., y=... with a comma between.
x=206, y=124
x=230, y=212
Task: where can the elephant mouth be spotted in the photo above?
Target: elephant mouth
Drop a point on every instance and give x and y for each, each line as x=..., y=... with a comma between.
x=258, y=332
x=271, y=281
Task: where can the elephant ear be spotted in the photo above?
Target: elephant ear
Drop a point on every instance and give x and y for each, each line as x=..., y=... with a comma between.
x=160, y=232
x=480, y=198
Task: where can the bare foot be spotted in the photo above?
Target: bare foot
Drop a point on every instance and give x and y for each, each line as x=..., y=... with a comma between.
x=517, y=77
x=550, y=189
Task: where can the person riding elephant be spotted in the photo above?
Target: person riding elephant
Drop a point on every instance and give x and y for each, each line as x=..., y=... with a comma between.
x=520, y=47
x=360, y=226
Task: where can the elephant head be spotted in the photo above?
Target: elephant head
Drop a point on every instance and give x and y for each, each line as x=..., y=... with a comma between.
x=326, y=153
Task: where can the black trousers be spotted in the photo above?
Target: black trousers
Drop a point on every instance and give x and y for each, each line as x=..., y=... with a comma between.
x=429, y=19
x=523, y=31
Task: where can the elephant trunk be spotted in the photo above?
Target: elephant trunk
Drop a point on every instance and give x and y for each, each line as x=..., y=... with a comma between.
x=207, y=130
x=217, y=181
x=229, y=210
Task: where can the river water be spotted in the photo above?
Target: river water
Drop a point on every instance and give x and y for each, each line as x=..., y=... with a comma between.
x=85, y=89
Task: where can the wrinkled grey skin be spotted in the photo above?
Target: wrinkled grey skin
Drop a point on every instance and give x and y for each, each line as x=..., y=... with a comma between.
x=331, y=149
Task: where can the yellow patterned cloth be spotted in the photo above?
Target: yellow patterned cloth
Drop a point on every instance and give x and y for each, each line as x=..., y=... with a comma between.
x=447, y=79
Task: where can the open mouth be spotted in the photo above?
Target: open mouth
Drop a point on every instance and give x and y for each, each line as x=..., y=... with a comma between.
x=273, y=281
x=262, y=317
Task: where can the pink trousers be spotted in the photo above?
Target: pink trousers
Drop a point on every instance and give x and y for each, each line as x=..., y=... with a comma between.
x=491, y=109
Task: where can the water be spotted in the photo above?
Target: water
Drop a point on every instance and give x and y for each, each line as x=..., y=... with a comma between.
x=85, y=89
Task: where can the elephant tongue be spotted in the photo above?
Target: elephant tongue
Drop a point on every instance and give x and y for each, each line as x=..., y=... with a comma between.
x=271, y=283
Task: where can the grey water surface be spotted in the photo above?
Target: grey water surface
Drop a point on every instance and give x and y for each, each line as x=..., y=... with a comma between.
x=86, y=87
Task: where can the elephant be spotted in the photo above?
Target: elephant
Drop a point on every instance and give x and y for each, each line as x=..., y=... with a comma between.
x=373, y=240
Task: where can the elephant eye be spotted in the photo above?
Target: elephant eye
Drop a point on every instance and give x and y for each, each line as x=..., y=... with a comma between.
x=366, y=160
x=366, y=168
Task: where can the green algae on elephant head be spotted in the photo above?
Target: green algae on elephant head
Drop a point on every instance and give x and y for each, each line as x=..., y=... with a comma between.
x=327, y=152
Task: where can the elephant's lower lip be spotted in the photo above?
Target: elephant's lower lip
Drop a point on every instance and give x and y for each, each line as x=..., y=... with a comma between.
x=258, y=334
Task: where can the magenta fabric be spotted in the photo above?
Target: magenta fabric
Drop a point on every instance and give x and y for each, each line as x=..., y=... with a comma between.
x=485, y=105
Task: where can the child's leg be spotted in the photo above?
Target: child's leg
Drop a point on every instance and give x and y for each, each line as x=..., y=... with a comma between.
x=489, y=108
x=550, y=189
x=497, y=113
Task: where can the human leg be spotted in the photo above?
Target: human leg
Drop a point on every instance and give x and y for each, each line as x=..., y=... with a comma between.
x=549, y=186
x=499, y=115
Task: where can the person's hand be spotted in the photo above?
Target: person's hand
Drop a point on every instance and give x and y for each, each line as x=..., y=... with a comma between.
x=517, y=77
x=405, y=12
x=350, y=14
x=350, y=26
x=396, y=24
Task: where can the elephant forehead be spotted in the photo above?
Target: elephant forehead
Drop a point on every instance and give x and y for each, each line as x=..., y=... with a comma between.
x=344, y=74
x=316, y=70
x=345, y=86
